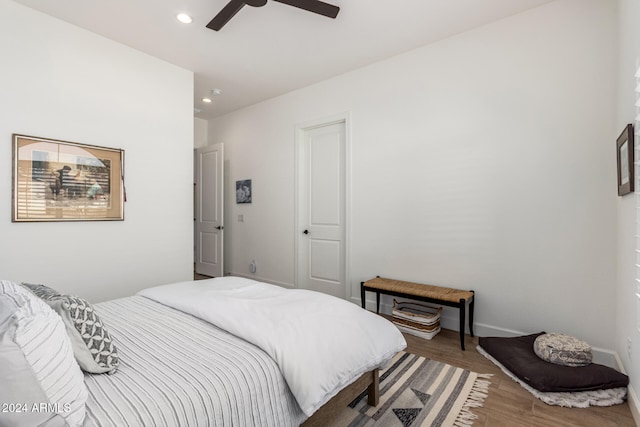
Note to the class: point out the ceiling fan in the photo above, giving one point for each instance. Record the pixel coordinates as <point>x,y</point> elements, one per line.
<point>234,6</point>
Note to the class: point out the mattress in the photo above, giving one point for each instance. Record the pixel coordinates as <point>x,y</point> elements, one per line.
<point>177,370</point>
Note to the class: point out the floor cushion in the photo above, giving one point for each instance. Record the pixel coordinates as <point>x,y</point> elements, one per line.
<point>517,355</point>
<point>563,350</point>
<point>583,386</point>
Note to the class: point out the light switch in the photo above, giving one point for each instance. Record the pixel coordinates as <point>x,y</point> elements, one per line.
<point>240,218</point>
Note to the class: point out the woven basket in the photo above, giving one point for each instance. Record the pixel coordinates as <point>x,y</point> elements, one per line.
<point>417,319</point>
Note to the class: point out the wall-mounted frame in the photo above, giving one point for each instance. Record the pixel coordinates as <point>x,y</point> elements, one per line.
<point>243,191</point>
<point>624,148</point>
<point>66,181</point>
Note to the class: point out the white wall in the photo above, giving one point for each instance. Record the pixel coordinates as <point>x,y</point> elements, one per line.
<point>59,81</point>
<point>627,303</point>
<point>483,161</point>
<point>200,132</point>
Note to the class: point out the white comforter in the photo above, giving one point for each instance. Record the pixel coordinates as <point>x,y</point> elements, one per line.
<point>321,343</point>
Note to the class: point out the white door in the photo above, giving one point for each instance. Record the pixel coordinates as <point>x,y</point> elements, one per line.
<point>322,209</point>
<point>209,210</point>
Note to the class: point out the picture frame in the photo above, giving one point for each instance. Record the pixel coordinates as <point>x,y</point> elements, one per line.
<point>625,159</point>
<point>243,191</point>
<point>57,180</point>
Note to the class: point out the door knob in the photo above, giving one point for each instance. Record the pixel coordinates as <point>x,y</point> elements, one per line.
<point>219,227</point>
<point>305,232</point>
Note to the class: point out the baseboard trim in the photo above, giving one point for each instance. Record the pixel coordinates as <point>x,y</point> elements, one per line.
<point>634,404</point>
<point>450,321</point>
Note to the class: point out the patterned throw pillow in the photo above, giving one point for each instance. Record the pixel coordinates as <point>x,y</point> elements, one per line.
<point>563,350</point>
<point>42,291</point>
<point>93,346</point>
<point>39,377</point>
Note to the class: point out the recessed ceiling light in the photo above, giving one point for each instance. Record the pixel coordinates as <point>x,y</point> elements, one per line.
<point>184,18</point>
<point>207,100</point>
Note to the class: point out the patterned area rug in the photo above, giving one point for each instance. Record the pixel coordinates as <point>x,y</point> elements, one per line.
<point>415,391</point>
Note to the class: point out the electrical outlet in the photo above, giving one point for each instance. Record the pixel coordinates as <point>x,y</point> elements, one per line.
<point>629,347</point>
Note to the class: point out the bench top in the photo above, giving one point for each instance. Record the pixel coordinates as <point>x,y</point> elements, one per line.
<point>416,289</point>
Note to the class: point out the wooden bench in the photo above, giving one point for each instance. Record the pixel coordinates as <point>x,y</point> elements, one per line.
<point>429,293</point>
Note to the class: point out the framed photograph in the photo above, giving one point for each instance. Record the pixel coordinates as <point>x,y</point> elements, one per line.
<point>66,181</point>
<point>624,146</point>
<point>243,191</point>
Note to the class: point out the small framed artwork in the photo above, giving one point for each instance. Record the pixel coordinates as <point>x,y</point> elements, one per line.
<point>243,191</point>
<point>66,181</point>
<point>624,146</point>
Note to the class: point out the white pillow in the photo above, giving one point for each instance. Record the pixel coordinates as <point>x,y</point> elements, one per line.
<point>41,380</point>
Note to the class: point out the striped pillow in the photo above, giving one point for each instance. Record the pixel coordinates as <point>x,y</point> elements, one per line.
<point>38,372</point>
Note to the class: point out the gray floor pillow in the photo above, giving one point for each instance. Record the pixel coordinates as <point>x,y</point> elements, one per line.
<point>563,350</point>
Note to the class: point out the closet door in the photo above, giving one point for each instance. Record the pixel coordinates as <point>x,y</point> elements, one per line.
<point>322,208</point>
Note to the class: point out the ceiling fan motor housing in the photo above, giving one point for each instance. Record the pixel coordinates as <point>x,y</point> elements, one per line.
<point>256,3</point>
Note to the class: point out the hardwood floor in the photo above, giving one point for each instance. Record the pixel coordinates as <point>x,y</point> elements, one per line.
<point>509,404</point>
<point>197,276</point>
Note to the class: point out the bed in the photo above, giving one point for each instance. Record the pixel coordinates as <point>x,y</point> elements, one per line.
<point>219,352</point>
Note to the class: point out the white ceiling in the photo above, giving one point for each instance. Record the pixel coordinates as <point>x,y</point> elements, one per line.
<point>267,51</point>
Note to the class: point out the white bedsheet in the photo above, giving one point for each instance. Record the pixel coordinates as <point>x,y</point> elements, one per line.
<point>321,343</point>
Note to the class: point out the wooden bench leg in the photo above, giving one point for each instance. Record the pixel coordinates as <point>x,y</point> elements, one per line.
<point>462,307</point>
<point>377,301</point>
<point>471,306</point>
<point>362,300</point>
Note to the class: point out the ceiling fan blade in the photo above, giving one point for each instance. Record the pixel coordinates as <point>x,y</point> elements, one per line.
<point>225,15</point>
<point>315,6</point>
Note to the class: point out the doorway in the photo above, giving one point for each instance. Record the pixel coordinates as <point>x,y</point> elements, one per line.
<point>209,210</point>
